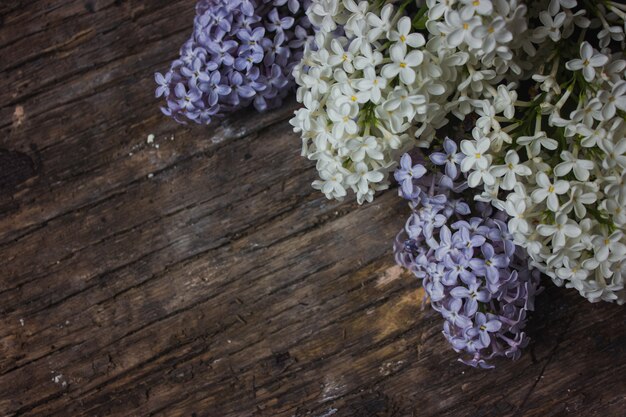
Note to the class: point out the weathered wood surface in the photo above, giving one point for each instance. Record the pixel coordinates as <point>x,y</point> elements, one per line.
<point>205,277</point>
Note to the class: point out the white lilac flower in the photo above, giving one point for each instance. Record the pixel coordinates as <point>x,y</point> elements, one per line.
<point>517,209</point>
<point>609,245</point>
<point>373,84</point>
<point>458,28</point>
<point>562,229</point>
<point>505,100</point>
<point>579,197</point>
<point>613,100</point>
<point>379,24</point>
<point>580,167</point>
<point>610,33</point>
<point>588,62</point>
<point>331,183</point>
<point>403,64</point>
<point>363,176</point>
<point>341,56</point>
<point>615,153</point>
<point>510,169</point>
<point>342,118</point>
<point>492,34</point>
<point>362,147</point>
<point>549,191</point>
<point>551,26</point>
<point>474,151</point>
<point>400,100</point>
<point>482,7</point>
<point>358,13</point>
<point>538,141</point>
<point>483,175</point>
<point>556,5</point>
<point>403,36</point>
<point>587,114</point>
<point>322,13</point>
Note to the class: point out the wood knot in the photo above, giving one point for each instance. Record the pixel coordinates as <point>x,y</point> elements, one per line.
<point>15,168</point>
<point>90,6</point>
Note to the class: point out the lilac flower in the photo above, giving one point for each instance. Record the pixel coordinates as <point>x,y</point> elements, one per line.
<point>474,225</point>
<point>188,99</point>
<point>474,275</point>
<point>407,173</point>
<point>240,90</point>
<point>246,60</point>
<point>294,5</point>
<point>214,88</point>
<point>251,39</point>
<point>445,243</point>
<point>276,51</point>
<point>453,314</point>
<point>276,23</point>
<point>276,81</point>
<point>436,290</point>
<point>241,53</point>
<point>450,158</point>
<point>458,267</point>
<point>296,44</point>
<point>221,52</point>
<point>500,234</point>
<point>464,238</point>
<point>163,82</point>
<point>483,327</point>
<point>490,264</point>
<point>460,207</point>
<point>195,72</point>
<point>473,293</point>
<point>222,19</point>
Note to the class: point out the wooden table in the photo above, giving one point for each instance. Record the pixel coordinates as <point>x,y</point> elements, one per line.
<point>200,275</point>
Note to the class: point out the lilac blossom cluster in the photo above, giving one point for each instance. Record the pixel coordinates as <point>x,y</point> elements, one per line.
<point>471,270</point>
<point>241,52</point>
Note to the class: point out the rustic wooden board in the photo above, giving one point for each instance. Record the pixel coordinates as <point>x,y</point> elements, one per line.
<point>205,277</point>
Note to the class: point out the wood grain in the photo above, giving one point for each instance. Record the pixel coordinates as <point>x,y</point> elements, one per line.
<point>205,277</point>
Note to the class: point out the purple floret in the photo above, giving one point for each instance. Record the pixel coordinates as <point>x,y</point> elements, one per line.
<point>471,270</point>
<point>241,53</point>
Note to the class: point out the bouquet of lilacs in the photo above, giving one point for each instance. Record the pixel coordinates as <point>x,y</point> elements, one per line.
<point>473,273</point>
<point>241,52</point>
<point>542,85</point>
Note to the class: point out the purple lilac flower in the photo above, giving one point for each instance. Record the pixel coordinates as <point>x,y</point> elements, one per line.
<point>450,158</point>
<point>163,82</point>
<point>241,53</point>
<point>473,273</point>
<point>407,173</point>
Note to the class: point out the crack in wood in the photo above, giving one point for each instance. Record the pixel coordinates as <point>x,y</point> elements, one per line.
<point>560,338</point>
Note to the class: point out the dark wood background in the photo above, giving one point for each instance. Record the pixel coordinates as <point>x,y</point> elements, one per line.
<point>204,276</point>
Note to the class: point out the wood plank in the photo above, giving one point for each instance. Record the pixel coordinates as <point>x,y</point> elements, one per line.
<point>205,277</point>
